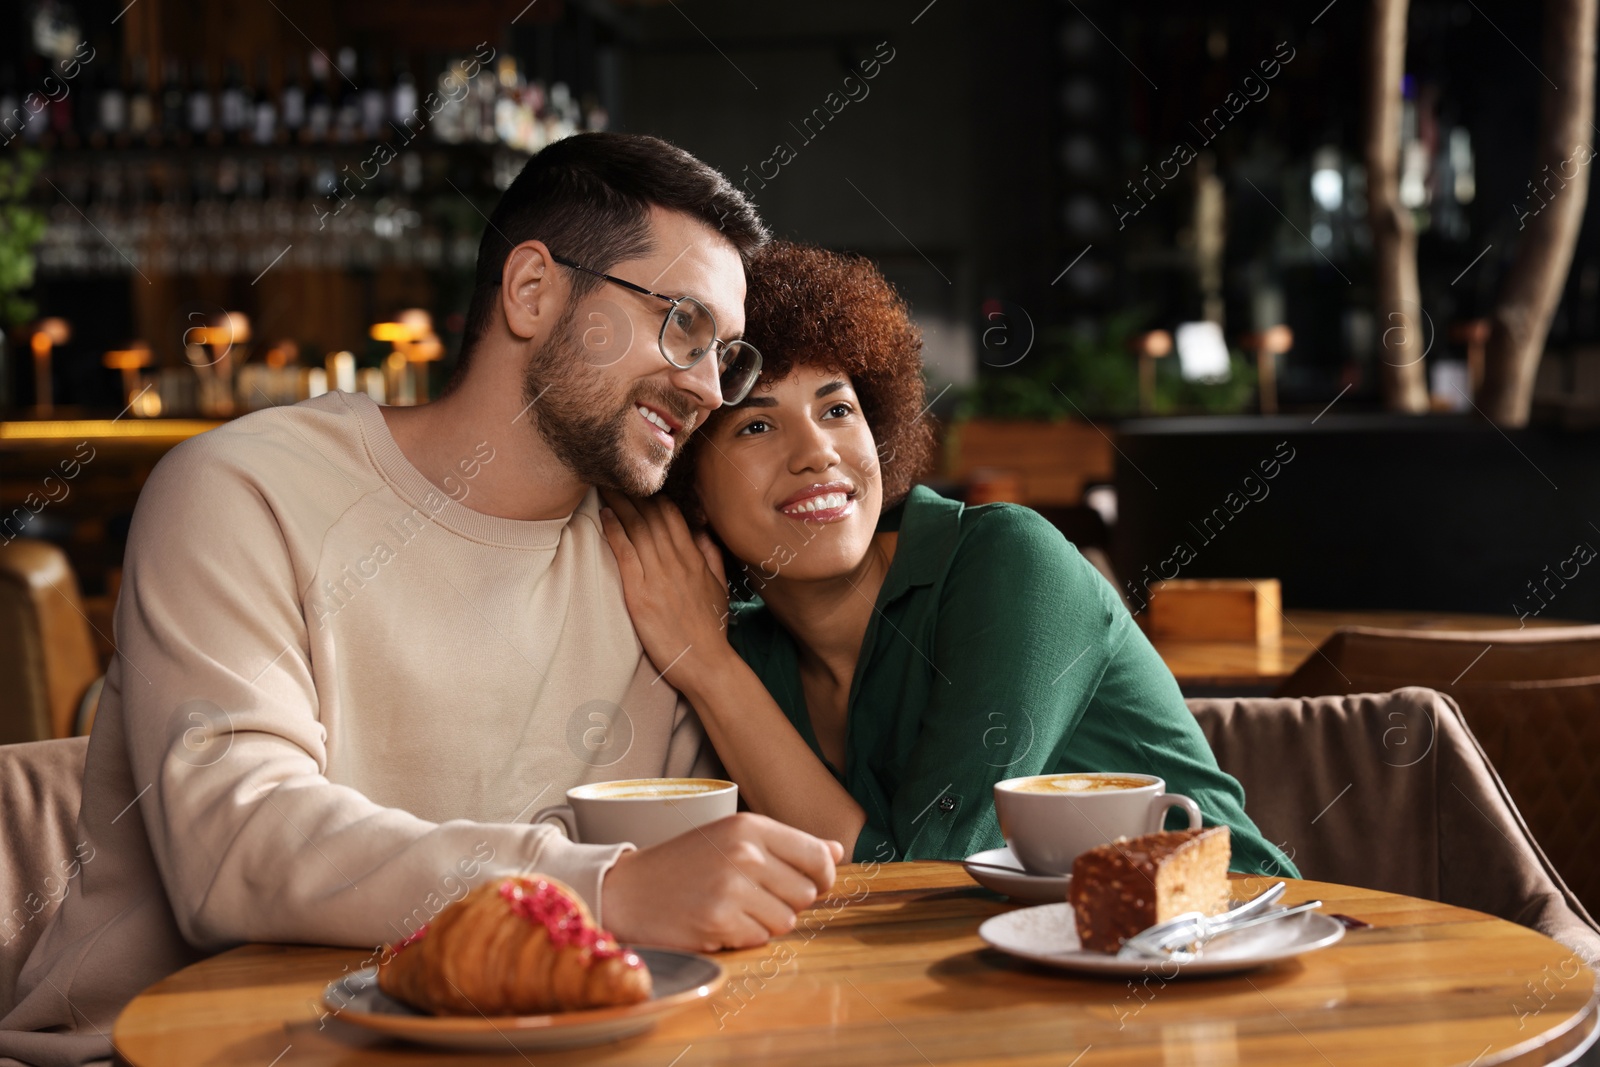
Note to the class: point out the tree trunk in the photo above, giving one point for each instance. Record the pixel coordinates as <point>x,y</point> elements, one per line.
<point>1397,295</point>
<point>1551,217</point>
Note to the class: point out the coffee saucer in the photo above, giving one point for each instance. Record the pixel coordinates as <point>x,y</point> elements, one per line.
<point>1022,886</point>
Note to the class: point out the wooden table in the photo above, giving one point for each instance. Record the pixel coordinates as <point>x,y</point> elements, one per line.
<point>890,970</point>
<point>1246,666</point>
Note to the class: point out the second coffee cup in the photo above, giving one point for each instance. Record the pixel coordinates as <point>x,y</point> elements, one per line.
<point>641,811</point>
<point>1050,819</point>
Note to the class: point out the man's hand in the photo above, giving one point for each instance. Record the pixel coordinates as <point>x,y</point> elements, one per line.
<point>732,884</point>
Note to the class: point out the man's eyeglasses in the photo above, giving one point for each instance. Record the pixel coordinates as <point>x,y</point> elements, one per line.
<point>688,332</point>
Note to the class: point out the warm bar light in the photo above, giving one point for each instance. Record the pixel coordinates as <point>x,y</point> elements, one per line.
<point>77,429</point>
<point>1268,345</point>
<point>1149,347</point>
<point>130,361</point>
<point>393,332</point>
<point>49,333</point>
<point>415,344</point>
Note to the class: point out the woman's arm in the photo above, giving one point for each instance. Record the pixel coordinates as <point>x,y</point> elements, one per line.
<point>778,774</point>
<point>678,599</point>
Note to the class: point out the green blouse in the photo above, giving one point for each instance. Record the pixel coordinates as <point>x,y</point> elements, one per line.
<point>995,650</point>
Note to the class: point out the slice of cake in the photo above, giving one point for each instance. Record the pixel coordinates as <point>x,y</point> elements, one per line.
<point>1129,885</point>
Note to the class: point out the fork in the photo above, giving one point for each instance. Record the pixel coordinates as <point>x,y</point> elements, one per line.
<point>1180,939</point>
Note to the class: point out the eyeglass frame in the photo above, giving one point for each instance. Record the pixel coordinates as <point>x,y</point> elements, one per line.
<point>661,338</point>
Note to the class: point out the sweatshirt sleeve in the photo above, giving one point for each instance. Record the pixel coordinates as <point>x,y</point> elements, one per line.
<point>252,840</point>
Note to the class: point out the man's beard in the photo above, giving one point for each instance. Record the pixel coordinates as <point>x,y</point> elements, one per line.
<point>578,415</point>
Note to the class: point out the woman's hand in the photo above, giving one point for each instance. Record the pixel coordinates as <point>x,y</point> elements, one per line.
<point>673,584</point>
<point>672,581</point>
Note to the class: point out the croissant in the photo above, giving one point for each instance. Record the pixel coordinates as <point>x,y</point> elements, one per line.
<point>518,946</point>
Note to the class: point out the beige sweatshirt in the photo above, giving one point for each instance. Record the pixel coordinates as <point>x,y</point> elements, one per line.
<point>340,693</point>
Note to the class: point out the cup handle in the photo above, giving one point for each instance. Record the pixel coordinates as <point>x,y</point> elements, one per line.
<point>1164,802</point>
<point>562,813</point>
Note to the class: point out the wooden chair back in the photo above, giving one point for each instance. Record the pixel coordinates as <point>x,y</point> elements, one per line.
<point>1391,791</point>
<point>45,643</point>
<point>1532,699</point>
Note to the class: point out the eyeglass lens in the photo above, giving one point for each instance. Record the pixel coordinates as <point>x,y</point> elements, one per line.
<point>689,330</point>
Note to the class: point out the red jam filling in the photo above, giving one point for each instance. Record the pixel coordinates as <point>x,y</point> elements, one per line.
<point>558,913</point>
<point>413,939</point>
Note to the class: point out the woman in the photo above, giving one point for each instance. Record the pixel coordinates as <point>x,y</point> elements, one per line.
<point>900,653</point>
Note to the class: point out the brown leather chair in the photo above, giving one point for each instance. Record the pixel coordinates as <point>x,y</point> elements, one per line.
<point>1532,698</point>
<point>1391,791</point>
<point>45,643</point>
<point>41,785</point>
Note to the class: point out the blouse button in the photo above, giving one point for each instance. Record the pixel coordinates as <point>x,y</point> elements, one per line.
<point>947,804</point>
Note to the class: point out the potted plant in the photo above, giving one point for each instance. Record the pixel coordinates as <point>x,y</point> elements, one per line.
<point>20,230</point>
<point>1037,418</point>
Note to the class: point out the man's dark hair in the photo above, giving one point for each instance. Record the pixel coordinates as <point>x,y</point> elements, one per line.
<point>588,197</point>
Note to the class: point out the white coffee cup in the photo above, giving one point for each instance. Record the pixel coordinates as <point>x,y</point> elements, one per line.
<point>641,811</point>
<point>1051,819</point>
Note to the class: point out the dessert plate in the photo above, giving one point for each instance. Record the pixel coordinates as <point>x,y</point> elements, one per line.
<point>1048,934</point>
<point>677,978</point>
<point>1021,886</point>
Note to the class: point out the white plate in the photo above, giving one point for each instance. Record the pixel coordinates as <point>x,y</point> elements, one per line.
<point>1048,934</point>
<point>676,978</point>
<point>1022,886</point>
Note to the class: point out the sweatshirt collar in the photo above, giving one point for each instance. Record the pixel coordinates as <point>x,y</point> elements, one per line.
<point>413,487</point>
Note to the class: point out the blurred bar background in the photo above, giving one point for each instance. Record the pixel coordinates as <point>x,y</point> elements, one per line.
<point>1098,211</point>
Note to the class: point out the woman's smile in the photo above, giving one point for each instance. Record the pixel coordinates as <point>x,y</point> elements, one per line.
<point>822,502</point>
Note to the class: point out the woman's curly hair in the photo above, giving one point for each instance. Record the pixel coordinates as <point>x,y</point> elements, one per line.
<point>809,306</point>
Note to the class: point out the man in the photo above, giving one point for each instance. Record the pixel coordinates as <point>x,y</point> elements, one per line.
<point>358,646</point>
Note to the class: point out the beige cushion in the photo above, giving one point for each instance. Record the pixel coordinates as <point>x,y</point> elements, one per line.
<point>1391,791</point>
<point>41,784</point>
<point>1532,698</point>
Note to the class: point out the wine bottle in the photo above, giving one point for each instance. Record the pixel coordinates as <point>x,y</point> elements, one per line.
<point>565,109</point>
<point>263,113</point>
<point>319,105</point>
<point>142,123</point>
<point>36,125</point>
<point>12,117</point>
<point>234,104</point>
<point>111,110</point>
<point>403,100</point>
<point>200,107</point>
<point>347,112</point>
<point>486,90</point>
<point>63,111</point>
<point>374,102</point>
<point>292,101</point>
<point>507,103</point>
<point>537,101</point>
<point>449,122</point>
<point>174,129</point>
